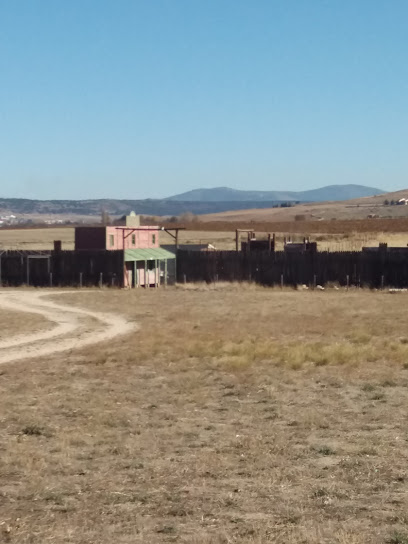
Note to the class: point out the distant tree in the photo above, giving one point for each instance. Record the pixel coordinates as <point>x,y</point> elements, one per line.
<point>105,219</point>
<point>386,202</point>
<point>188,217</point>
<point>148,220</point>
<point>392,203</point>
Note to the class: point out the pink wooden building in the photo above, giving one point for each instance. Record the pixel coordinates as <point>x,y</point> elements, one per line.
<point>144,261</point>
<point>116,238</point>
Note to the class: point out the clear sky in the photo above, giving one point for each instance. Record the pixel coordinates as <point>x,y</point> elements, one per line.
<point>148,98</point>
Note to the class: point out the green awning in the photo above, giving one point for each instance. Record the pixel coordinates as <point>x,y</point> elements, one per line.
<point>149,254</point>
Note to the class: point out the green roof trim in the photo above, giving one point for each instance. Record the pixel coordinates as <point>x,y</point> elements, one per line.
<point>148,254</point>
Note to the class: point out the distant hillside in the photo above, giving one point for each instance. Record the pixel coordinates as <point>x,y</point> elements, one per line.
<point>331,192</point>
<point>380,206</point>
<point>121,207</point>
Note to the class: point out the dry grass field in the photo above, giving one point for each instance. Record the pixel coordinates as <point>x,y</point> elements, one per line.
<point>234,415</point>
<point>36,239</point>
<point>332,236</point>
<point>11,321</point>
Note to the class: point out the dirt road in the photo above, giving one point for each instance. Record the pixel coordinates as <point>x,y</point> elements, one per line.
<point>73,327</point>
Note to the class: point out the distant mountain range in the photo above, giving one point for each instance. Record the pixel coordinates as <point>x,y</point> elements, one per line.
<point>223,194</point>
<point>198,201</point>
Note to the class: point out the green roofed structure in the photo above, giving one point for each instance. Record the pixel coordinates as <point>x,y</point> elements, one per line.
<point>148,266</point>
<point>148,254</point>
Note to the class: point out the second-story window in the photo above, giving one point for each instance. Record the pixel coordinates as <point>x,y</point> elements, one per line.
<point>153,239</point>
<point>133,239</point>
<point>111,240</point>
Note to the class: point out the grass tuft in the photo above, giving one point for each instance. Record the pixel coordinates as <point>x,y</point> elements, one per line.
<point>398,538</point>
<point>325,450</point>
<point>34,430</point>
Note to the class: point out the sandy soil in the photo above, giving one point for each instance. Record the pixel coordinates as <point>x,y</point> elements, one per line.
<point>73,328</point>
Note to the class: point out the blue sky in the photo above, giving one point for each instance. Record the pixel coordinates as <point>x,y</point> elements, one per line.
<point>148,98</point>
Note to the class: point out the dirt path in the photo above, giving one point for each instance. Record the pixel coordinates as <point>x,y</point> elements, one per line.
<point>74,328</point>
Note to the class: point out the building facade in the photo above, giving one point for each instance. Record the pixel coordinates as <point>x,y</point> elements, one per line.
<point>145,263</point>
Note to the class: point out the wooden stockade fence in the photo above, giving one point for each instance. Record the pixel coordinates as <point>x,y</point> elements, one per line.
<point>61,268</point>
<point>371,269</point>
<point>105,268</point>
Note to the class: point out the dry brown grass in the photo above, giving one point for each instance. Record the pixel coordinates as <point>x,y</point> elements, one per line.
<point>14,323</point>
<point>36,239</point>
<point>232,416</point>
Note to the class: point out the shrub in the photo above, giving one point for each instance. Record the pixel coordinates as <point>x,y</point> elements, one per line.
<point>398,538</point>
<point>33,430</point>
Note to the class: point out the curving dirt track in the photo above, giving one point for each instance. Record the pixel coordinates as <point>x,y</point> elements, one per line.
<point>74,327</point>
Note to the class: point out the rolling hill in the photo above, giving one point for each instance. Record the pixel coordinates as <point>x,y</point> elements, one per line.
<point>357,208</point>
<point>330,192</point>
